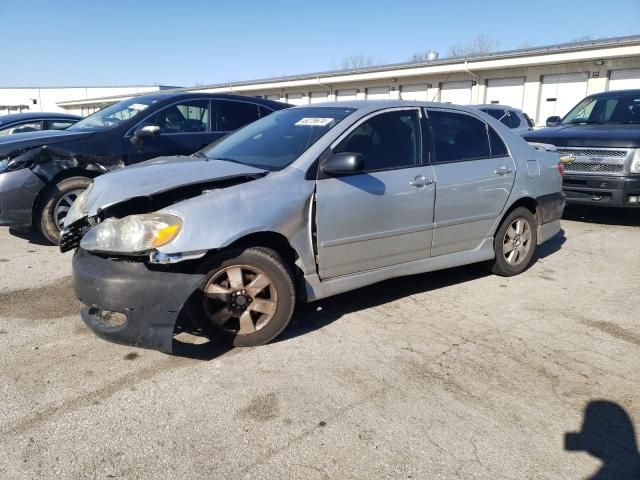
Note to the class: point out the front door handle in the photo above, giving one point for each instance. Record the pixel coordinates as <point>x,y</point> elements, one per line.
<point>421,181</point>
<point>502,170</point>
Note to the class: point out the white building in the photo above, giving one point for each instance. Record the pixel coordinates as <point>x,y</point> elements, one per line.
<point>48,99</point>
<point>542,81</point>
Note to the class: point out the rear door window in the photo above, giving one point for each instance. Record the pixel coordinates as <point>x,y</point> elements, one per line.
<point>458,136</point>
<point>231,115</point>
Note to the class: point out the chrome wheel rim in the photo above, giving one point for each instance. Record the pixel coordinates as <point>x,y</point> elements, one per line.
<point>517,241</point>
<point>240,299</point>
<point>63,205</point>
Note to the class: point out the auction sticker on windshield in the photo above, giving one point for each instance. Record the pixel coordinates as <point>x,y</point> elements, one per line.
<point>314,122</point>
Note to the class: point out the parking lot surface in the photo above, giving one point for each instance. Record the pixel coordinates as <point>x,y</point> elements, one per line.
<point>453,374</point>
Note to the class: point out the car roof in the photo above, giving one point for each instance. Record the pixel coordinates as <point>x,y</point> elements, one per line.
<point>373,105</point>
<point>19,117</point>
<point>168,97</point>
<point>497,106</point>
<point>617,93</point>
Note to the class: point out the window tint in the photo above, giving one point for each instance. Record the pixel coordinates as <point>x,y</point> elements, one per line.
<point>20,128</point>
<point>515,119</point>
<point>185,117</point>
<point>234,115</point>
<point>507,117</point>
<point>457,136</point>
<point>530,122</point>
<point>498,148</point>
<point>388,140</point>
<point>264,111</point>
<point>60,124</point>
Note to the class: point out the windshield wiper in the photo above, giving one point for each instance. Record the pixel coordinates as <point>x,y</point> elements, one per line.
<point>226,159</point>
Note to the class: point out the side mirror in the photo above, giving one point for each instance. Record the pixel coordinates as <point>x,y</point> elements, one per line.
<point>343,164</point>
<point>553,121</point>
<point>145,131</point>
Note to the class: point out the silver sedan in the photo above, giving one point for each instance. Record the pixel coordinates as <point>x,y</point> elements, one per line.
<point>304,204</point>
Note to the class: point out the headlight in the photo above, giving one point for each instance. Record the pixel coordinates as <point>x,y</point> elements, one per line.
<point>635,163</point>
<point>75,213</point>
<point>135,234</point>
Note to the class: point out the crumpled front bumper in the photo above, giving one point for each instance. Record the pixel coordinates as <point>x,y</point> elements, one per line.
<point>151,299</point>
<point>18,193</point>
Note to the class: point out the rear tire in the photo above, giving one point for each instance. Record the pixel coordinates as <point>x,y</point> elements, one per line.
<point>246,299</point>
<point>515,243</point>
<point>55,204</point>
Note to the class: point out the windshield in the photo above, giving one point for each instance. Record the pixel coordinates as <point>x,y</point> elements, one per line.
<point>274,142</point>
<point>613,109</point>
<point>115,114</point>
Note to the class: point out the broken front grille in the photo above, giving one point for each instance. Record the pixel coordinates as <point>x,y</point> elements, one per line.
<point>592,167</point>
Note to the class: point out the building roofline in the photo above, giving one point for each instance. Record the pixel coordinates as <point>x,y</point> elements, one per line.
<point>547,49</point>
<point>54,87</point>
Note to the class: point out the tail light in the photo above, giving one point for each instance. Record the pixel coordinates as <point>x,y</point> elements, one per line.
<point>561,168</point>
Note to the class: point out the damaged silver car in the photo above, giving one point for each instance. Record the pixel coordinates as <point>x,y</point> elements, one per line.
<point>304,204</point>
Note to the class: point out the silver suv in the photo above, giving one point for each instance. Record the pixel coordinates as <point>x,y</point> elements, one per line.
<point>304,204</point>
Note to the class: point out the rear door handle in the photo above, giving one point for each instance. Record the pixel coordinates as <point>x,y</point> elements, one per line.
<point>502,170</point>
<point>421,181</point>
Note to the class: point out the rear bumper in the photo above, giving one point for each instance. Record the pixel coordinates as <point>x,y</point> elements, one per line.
<point>151,300</point>
<point>18,193</point>
<point>601,190</point>
<point>550,209</point>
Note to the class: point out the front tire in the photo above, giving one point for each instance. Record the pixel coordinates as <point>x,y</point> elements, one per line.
<point>55,204</point>
<point>515,243</point>
<point>247,298</point>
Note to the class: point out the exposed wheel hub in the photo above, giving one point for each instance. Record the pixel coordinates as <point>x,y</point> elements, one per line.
<point>240,300</point>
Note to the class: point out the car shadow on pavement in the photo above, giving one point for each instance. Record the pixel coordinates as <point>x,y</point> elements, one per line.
<point>316,315</point>
<point>30,235</point>
<point>624,217</point>
<point>607,434</point>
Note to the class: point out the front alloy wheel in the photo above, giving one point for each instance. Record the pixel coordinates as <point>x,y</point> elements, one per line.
<point>247,298</point>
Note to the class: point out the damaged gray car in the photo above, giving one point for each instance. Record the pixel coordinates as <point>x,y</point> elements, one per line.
<point>304,204</point>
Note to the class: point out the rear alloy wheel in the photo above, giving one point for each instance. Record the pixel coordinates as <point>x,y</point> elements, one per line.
<point>247,298</point>
<point>55,204</point>
<point>515,243</point>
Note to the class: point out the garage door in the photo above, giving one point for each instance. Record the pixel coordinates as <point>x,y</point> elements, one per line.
<point>456,92</point>
<point>560,93</point>
<point>506,91</point>
<point>344,95</point>
<point>378,93</point>
<point>318,97</point>
<point>624,79</point>
<point>414,92</point>
<point>273,97</point>
<point>295,98</point>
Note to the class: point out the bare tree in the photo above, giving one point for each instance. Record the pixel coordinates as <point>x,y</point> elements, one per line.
<point>419,57</point>
<point>481,45</point>
<point>584,38</point>
<point>353,62</point>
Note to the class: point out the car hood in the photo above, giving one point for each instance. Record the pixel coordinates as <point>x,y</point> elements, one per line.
<point>619,136</point>
<point>158,176</point>
<point>27,140</point>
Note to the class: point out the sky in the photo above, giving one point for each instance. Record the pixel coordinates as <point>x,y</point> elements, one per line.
<point>117,42</point>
